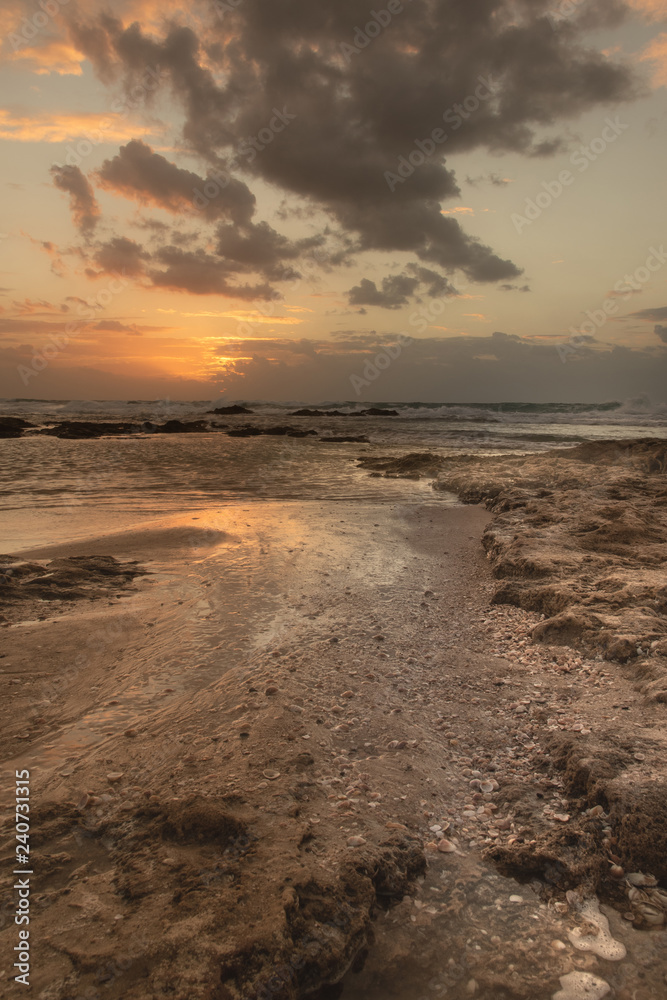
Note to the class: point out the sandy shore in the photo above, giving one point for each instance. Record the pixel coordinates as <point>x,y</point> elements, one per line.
<point>270,744</point>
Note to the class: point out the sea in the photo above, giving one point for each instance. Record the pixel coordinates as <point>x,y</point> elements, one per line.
<point>56,489</point>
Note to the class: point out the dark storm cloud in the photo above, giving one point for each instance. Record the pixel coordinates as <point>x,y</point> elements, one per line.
<point>661,331</point>
<point>121,255</point>
<point>149,178</point>
<point>349,114</point>
<point>201,274</point>
<point>82,202</point>
<point>398,289</point>
<point>259,247</point>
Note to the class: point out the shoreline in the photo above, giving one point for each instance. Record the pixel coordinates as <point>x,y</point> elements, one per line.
<point>291,800</point>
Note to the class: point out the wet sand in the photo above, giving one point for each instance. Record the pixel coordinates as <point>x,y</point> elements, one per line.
<point>307,737</point>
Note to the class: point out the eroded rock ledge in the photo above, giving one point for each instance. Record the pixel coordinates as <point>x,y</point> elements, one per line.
<point>580,537</point>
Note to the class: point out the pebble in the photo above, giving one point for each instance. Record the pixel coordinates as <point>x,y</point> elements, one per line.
<point>355,841</point>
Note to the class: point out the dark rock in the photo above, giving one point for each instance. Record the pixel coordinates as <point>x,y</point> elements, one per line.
<point>244,432</point>
<point>230,410</point>
<point>375,411</point>
<point>318,413</point>
<point>77,429</point>
<point>13,427</point>
<point>288,432</point>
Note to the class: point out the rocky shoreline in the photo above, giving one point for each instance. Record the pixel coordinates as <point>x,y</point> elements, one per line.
<point>408,782</point>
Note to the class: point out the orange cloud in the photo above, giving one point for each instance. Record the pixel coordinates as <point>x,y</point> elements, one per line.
<point>656,10</point>
<point>42,126</point>
<point>656,52</point>
<point>52,56</point>
<point>461,210</point>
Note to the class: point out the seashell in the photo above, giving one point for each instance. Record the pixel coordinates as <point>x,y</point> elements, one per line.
<point>654,916</point>
<point>83,801</point>
<point>355,841</point>
<point>114,776</point>
<point>639,879</point>
<point>487,786</point>
<point>446,847</point>
<point>616,871</point>
<point>271,775</point>
<point>658,897</point>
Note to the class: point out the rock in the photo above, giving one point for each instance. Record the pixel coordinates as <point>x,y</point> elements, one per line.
<point>375,411</point>
<point>13,427</point>
<point>231,410</point>
<point>305,412</point>
<point>244,432</point>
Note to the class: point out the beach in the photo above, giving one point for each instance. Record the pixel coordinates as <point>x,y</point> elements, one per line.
<point>389,724</point>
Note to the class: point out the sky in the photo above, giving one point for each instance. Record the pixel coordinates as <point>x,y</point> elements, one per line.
<point>435,200</point>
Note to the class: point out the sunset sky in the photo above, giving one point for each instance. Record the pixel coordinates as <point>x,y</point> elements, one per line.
<point>485,177</point>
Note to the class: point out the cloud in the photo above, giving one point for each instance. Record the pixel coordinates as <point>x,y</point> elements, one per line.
<point>353,116</point>
<point>398,289</point>
<point>656,53</point>
<point>149,178</point>
<point>495,179</point>
<point>655,315</point>
<point>514,288</point>
<point>51,55</point>
<point>201,273</point>
<point>661,331</point>
<point>114,326</point>
<point>60,126</point>
<point>82,202</point>
<point>653,10</point>
<point>438,369</point>
<point>395,292</point>
<point>120,255</point>
<point>38,307</point>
